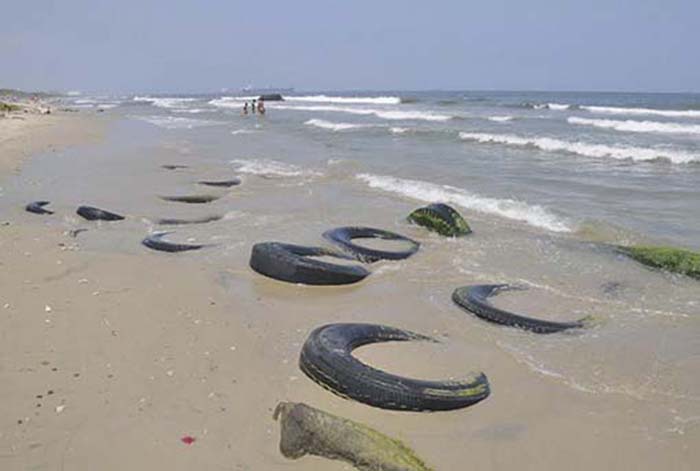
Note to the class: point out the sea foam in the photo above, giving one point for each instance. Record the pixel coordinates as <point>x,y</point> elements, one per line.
<point>638,126</point>
<point>320,123</point>
<point>165,102</point>
<point>430,192</point>
<point>582,148</point>
<point>643,111</point>
<point>272,167</point>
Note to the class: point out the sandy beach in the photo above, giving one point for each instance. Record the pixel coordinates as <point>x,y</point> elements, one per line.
<point>111,354</point>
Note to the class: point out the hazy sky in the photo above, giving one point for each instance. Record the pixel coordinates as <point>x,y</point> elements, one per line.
<point>206,45</point>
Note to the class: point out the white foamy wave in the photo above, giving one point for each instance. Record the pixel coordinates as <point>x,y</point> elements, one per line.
<point>638,126</point>
<point>165,102</point>
<point>557,106</point>
<point>236,132</point>
<point>397,130</point>
<point>643,111</point>
<point>175,122</point>
<point>272,167</point>
<point>582,148</point>
<point>378,100</point>
<point>430,192</point>
<point>501,119</point>
<point>231,101</point>
<point>383,114</point>
<point>320,123</point>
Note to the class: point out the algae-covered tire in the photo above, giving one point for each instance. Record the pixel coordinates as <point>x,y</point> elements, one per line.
<point>97,214</point>
<point>37,207</point>
<point>343,236</point>
<point>326,358</point>
<point>475,300</point>
<point>674,260</point>
<point>441,218</point>
<point>293,263</point>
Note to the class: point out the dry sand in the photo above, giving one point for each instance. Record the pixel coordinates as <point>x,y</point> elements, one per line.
<point>108,360</point>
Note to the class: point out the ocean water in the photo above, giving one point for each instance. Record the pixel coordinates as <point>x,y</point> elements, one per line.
<point>546,180</point>
<point>564,162</point>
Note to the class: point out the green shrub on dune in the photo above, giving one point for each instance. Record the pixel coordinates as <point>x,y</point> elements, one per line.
<point>671,259</point>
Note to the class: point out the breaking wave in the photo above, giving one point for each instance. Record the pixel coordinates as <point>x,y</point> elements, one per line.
<point>166,102</point>
<point>500,119</point>
<point>378,100</point>
<point>430,192</point>
<point>638,126</point>
<point>582,148</point>
<point>643,111</point>
<point>320,123</point>
<point>383,114</point>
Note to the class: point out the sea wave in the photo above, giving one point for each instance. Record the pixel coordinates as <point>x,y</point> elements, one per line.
<point>398,130</point>
<point>548,106</point>
<point>165,102</point>
<point>582,148</point>
<point>231,101</point>
<point>383,114</point>
<point>533,215</point>
<point>377,100</point>
<point>320,123</point>
<point>500,119</point>
<point>176,122</point>
<point>638,126</point>
<point>272,167</point>
<point>643,111</point>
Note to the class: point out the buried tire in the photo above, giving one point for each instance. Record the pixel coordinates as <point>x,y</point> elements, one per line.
<point>293,263</point>
<point>343,237</point>
<point>326,358</point>
<point>475,300</point>
<point>441,218</point>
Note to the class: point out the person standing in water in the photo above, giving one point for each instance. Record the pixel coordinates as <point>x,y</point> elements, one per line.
<point>252,107</point>
<point>245,109</point>
<point>261,106</point>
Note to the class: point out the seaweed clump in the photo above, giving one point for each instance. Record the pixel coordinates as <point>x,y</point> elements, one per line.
<point>441,218</point>
<point>306,430</point>
<point>685,262</point>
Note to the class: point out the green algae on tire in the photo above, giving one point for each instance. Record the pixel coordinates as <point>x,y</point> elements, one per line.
<point>674,260</point>
<point>306,430</point>
<point>441,218</point>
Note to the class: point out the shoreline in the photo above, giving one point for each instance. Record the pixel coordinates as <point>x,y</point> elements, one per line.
<point>112,354</point>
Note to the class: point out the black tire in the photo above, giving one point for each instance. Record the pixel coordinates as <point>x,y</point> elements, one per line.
<point>343,236</point>
<point>191,199</point>
<point>326,358</point>
<point>292,263</point>
<point>96,214</point>
<point>178,222</point>
<point>37,207</point>
<point>475,300</point>
<point>156,242</point>
<point>221,183</point>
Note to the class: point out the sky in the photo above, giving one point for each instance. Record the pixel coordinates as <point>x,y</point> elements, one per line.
<point>209,45</point>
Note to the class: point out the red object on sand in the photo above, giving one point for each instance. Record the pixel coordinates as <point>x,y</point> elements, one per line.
<point>188,440</point>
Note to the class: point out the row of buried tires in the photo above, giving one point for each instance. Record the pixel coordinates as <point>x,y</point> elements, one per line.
<point>155,240</point>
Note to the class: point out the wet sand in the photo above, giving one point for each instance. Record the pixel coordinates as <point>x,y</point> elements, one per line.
<point>112,353</point>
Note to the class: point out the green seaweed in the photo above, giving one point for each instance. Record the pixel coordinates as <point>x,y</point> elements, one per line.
<point>306,430</point>
<point>452,226</point>
<point>7,107</point>
<point>685,262</point>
